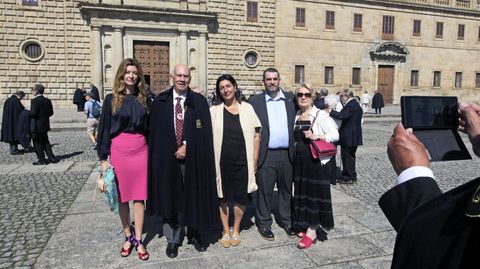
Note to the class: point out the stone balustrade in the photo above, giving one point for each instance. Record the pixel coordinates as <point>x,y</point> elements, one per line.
<point>462,4</point>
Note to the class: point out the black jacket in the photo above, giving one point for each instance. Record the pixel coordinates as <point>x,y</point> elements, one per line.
<point>11,111</point>
<point>195,197</point>
<point>260,106</point>
<point>41,110</point>
<point>433,230</point>
<point>351,129</point>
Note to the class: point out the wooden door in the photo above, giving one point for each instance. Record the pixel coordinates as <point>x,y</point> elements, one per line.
<point>154,59</point>
<point>385,82</point>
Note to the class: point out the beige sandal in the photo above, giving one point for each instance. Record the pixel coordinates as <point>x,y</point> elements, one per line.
<point>235,239</point>
<point>225,240</point>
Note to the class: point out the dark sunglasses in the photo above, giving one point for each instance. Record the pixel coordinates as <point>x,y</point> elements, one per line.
<point>307,95</point>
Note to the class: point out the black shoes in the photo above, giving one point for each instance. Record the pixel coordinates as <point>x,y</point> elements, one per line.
<point>172,250</point>
<point>197,244</point>
<point>266,233</point>
<point>44,162</point>
<point>347,180</point>
<point>290,232</point>
<point>53,160</point>
<point>16,152</point>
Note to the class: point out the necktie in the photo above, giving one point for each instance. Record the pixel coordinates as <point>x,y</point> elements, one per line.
<point>178,121</point>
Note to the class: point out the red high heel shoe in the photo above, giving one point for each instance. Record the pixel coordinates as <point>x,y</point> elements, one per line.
<point>306,242</point>
<point>142,256</point>
<point>126,252</point>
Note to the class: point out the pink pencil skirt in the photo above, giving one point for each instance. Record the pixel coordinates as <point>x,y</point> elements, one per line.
<point>129,155</point>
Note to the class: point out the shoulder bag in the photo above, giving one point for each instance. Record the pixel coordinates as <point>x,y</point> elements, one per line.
<point>320,148</point>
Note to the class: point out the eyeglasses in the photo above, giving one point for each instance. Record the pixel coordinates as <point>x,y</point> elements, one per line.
<point>307,95</point>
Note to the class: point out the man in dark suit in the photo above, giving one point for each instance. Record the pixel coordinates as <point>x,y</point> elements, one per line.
<point>435,230</point>
<point>350,134</point>
<point>276,110</point>
<point>320,101</point>
<point>41,110</point>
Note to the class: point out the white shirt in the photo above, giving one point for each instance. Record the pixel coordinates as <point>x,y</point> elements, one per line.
<point>413,172</point>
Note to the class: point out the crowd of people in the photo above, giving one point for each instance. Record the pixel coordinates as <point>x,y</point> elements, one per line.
<point>195,162</point>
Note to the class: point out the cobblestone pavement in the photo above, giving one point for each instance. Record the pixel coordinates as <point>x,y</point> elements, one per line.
<point>35,199</point>
<point>34,202</point>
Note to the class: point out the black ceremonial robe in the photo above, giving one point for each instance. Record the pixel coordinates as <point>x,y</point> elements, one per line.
<point>11,111</point>
<point>195,197</point>
<point>433,229</point>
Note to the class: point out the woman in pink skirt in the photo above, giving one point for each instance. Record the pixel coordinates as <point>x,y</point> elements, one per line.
<point>121,136</point>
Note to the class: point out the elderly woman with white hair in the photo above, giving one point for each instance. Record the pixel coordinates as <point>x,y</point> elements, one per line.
<point>311,204</point>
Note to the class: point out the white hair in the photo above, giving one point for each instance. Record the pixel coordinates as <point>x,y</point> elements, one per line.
<point>331,100</point>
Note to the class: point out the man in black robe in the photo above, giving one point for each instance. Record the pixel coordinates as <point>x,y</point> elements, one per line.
<point>435,230</point>
<point>79,99</point>
<point>182,185</point>
<point>11,111</point>
<point>95,92</point>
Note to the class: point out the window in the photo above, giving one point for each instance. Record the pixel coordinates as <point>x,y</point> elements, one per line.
<point>328,75</point>
<point>417,27</point>
<point>439,30</point>
<point>458,79</point>
<point>32,50</point>
<point>437,77</point>
<point>30,2</point>
<point>477,80</point>
<point>357,22</point>
<point>299,74</point>
<point>300,17</point>
<point>330,20</point>
<point>479,34</point>
<point>356,72</point>
<point>252,11</point>
<point>461,32</point>
<point>388,27</point>
<point>251,58</point>
<point>414,78</point>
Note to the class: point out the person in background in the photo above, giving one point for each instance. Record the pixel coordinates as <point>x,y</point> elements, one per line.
<point>79,99</point>
<point>365,101</point>
<point>94,91</point>
<point>41,110</point>
<point>377,102</point>
<point>92,110</point>
<point>320,102</point>
<point>312,202</point>
<point>11,113</point>
<point>236,141</point>
<point>434,230</point>
<point>350,135</point>
<point>121,137</point>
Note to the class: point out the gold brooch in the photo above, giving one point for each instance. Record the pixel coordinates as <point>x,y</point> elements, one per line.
<point>198,123</point>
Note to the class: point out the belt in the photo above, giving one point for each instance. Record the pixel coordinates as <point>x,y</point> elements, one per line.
<point>278,149</point>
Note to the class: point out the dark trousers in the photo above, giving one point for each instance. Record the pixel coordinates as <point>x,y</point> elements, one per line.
<point>348,162</point>
<point>277,168</point>
<point>173,231</point>
<point>13,147</point>
<point>42,146</point>
<point>378,110</point>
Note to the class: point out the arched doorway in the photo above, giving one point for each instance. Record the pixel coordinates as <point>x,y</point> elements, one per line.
<point>387,55</point>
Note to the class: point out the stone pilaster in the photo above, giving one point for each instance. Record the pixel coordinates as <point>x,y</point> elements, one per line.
<point>97,63</point>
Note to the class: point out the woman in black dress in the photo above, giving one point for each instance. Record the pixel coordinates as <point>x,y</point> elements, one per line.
<point>311,204</point>
<point>236,139</point>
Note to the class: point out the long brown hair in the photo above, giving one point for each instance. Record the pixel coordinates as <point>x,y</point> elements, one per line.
<point>118,90</point>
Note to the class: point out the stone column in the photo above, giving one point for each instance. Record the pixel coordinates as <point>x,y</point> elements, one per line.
<point>182,48</point>
<point>117,47</point>
<point>96,72</point>
<point>202,62</point>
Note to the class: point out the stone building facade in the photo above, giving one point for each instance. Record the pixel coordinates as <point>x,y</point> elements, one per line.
<point>393,46</point>
<point>409,47</point>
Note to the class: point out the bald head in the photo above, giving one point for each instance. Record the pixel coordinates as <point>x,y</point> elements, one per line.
<point>181,78</point>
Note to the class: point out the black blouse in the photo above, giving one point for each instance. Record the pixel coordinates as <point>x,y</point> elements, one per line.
<point>130,118</point>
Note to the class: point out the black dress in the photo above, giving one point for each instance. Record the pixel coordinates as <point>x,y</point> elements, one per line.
<point>312,201</point>
<point>233,161</point>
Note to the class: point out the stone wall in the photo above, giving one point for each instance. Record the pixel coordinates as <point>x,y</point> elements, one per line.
<point>236,36</point>
<point>58,26</point>
<point>342,48</point>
